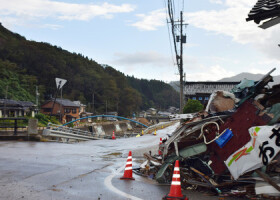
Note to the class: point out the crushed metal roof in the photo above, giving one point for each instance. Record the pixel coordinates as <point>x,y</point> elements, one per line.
<point>264,9</point>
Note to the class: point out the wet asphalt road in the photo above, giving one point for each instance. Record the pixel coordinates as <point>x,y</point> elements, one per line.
<point>86,170</point>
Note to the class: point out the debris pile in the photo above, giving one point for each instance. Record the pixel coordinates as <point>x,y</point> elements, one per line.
<point>229,149</point>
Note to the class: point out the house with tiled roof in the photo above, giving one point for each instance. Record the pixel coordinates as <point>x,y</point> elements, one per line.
<point>64,109</point>
<point>201,90</point>
<point>13,108</point>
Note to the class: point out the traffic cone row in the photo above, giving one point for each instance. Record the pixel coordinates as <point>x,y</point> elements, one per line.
<point>128,168</point>
<point>175,189</point>
<point>175,192</point>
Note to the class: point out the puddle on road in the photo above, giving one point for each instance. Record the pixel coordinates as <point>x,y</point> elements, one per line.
<point>56,190</point>
<point>4,144</point>
<point>140,161</point>
<point>113,155</point>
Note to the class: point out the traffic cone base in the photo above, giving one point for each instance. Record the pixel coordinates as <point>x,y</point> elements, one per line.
<point>174,198</point>
<point>127,178</point>
<point>128,168</point>
<point>175,189</point>
<point>113,136</point>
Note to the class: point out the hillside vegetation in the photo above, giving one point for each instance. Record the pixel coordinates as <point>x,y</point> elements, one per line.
<point>25,64</point>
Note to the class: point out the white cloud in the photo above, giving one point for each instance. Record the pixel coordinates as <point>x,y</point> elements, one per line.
<point>264,66</point>
<point>216,1</point>
<point>256,71</point>
<point>148,65</point>
<point>142,58</point>
<point>151,21</point>
<point>32,9</point>
<point>231,22</point>
<point>213,73</point>
<point>51,26</point>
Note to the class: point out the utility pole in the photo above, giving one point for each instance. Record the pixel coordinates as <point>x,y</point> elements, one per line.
<point>93,103</point>
<point>106,106</point>
<point>60,106</point>
<point>181,64</point>
<point>178,38</point>
<point>5,102</point>
<point>37,99</point>
<point>59,84</point>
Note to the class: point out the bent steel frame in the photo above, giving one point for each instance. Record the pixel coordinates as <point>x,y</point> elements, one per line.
<point>105,116</point>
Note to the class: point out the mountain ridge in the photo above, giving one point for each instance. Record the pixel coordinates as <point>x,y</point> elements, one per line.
<point>26,64</point>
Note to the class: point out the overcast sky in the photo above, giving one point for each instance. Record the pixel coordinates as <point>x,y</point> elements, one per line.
<point>132,36</point>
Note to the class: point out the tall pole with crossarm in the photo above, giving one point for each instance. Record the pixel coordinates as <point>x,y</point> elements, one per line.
<point>178,37</point>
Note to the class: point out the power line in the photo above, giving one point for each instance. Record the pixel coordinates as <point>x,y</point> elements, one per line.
<point>169,35</point>
<point>178,26</point>
<point>171,15</point>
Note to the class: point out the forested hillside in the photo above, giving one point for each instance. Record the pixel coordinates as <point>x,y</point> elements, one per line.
<point>25,64</point>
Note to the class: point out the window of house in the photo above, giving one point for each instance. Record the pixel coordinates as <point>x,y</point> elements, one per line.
<point>47,109</point>
<point>206,98</point>
<point>194,98</point>
<point>67,110</point>
<point>74,110</point>
<point>200,98</point>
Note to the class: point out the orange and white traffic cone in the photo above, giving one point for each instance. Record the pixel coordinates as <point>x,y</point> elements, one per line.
<point>128,168</point>
<point>159,151</point>
<point>175,189</point>
<point>113,136</point>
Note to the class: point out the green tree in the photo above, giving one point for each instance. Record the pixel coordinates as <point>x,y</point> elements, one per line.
<point>192,106</point>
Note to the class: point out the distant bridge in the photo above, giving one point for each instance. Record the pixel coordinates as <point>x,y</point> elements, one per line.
<point>105,116</point>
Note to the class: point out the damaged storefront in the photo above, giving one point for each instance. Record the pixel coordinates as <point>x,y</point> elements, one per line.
<point>229,149</point>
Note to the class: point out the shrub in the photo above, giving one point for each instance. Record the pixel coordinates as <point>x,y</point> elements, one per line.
<point>192,106</point>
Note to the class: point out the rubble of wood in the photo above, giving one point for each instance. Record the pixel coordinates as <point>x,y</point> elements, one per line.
<point>230,149</point>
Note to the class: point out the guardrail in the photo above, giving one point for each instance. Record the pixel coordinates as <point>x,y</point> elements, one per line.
<point>54,130</point>
<point>157,126</point>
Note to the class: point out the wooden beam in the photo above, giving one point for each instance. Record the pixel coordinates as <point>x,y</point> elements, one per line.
<point>267,179</point>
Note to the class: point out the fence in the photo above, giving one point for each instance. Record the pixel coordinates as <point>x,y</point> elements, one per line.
<point>12,123</point>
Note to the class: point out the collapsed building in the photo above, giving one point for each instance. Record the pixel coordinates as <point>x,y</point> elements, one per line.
<point>231,148</point>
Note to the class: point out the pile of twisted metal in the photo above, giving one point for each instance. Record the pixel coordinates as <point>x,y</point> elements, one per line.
<point>229,149</point>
